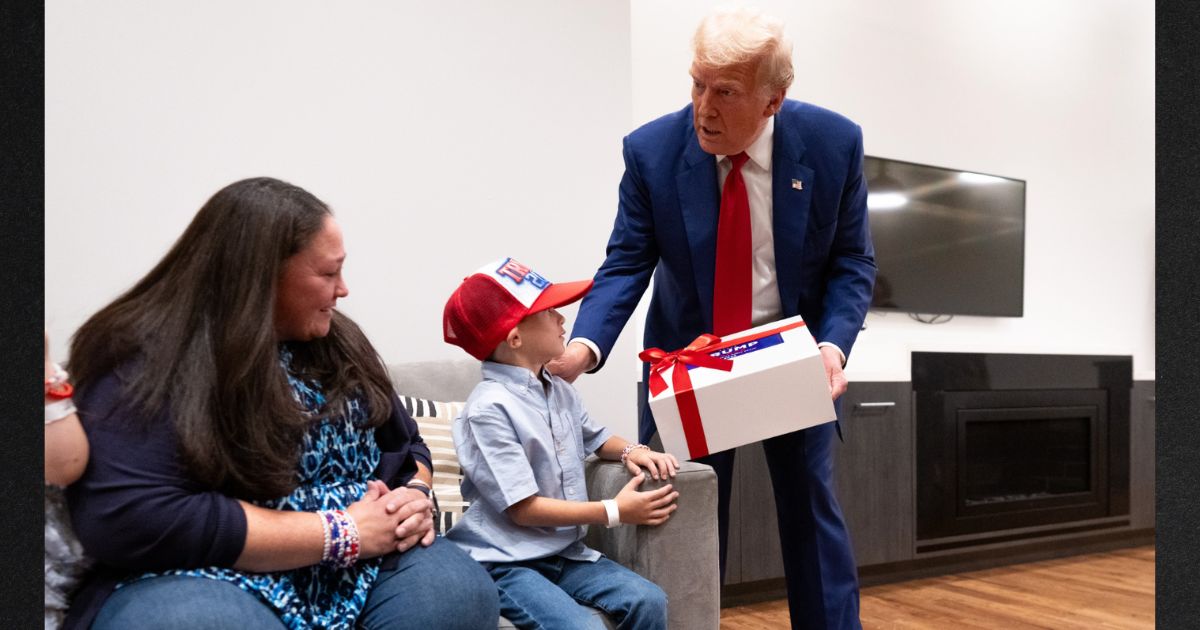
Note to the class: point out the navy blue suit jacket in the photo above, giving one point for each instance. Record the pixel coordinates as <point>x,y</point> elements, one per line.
<point>667,225</point>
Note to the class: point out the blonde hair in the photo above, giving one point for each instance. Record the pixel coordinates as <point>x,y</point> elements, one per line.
<point>732,35</point>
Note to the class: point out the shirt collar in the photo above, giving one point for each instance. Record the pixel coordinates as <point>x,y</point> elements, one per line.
<point>759,151</point>
<point>510,374</point>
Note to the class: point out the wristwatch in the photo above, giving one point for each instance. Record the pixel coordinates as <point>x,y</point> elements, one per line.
<point>417,484</point>
<point>435,511</point>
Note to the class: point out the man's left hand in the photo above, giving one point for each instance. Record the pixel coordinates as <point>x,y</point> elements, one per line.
<point>833,371</point>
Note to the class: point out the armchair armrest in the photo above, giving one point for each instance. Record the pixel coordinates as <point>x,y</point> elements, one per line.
<point>680,556</point>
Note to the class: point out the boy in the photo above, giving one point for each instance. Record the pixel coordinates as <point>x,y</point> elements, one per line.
<point>521,439</point>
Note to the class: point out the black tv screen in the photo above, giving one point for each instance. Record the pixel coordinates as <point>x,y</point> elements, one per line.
<point>946,241</point>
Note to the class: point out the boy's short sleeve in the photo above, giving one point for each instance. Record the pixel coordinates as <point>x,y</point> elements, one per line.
<point>493,459</point>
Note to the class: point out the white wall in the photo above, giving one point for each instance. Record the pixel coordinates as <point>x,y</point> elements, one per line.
<point>1060,94</point>
<point>418,123</point>
<point>444,135</point>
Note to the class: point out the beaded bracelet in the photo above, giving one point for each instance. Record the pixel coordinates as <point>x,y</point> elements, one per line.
<point>327,542</point>
<point>629,448</point>
<point>341,544</point>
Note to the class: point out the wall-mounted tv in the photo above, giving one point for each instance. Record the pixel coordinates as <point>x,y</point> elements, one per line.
<point>946,241</point>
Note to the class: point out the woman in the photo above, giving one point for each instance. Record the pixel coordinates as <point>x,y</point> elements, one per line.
<point>66,456</point>
<point>251,465</point>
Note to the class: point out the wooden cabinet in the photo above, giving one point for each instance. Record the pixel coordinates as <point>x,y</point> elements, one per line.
<point>1141,456</point>
<point>873,470</point>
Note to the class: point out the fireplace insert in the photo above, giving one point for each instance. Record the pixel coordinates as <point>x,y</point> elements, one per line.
<point>1017,446</point>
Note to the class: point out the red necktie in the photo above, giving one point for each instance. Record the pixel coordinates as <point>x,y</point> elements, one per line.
<point>732,282</point>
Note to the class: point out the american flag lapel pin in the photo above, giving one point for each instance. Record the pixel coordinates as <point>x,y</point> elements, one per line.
<point>797,184</point>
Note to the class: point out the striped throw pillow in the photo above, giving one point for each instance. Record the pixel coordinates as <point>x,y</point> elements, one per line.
<point>434,419</point>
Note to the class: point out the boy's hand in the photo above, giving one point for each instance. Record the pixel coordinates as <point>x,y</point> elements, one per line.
<point>653,507</point>
<point>660,465</point>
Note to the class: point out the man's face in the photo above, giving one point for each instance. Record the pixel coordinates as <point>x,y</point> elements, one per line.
<point>729,108</point>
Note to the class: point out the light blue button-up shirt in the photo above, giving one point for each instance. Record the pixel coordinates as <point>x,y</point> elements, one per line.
<point>517,437</point>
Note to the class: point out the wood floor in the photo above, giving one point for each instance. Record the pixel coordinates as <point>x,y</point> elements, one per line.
<point>1105,590</point>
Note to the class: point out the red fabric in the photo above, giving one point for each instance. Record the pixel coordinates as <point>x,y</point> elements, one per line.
<point>732,290</point>
<point>479,315</point>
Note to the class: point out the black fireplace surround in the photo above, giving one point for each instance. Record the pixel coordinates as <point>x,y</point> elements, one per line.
<point>1013,446</point>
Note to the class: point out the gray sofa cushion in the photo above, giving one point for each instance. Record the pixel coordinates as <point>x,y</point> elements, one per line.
<point>680,556</point>
<point>436,380</point>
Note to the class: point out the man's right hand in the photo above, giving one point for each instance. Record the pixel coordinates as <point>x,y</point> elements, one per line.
<point>575,360</point>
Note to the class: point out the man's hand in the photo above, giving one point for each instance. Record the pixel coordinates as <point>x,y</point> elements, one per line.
<point>833,371</point>
<point>575,360</point>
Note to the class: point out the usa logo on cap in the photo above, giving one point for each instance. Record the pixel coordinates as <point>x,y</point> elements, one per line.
<point>524,283</point>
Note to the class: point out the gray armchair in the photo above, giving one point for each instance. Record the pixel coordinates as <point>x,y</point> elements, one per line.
<point>680,556</point>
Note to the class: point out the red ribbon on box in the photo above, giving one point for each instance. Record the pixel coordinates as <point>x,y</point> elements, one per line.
<point>697,353</point>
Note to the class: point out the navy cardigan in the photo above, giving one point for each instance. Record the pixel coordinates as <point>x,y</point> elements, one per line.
<point>136,509</point>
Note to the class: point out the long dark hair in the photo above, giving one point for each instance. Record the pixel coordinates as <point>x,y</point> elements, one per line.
<point>200,329</point>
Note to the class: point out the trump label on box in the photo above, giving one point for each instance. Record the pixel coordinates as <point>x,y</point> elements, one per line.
<point>722,392</point>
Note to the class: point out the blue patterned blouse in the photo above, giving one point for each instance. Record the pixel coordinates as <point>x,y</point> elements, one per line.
<point>337,459</point>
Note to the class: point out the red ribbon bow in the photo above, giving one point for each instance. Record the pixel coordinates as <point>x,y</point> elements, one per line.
<point>696,353</point>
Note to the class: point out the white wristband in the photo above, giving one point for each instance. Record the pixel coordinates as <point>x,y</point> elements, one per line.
<point>610,508</point>
<point>56,411</point>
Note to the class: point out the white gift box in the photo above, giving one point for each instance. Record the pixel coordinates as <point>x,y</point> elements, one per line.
<point>776,385</point>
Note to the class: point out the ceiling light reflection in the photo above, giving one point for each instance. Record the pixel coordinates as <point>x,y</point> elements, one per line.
<point>979,178</point>
<point>886,201</point>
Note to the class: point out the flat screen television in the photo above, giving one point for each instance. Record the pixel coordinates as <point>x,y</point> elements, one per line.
<point>947,242</point>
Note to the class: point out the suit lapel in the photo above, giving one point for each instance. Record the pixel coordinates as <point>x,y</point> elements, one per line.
<point>790,206</point>
<point>700,205</point>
